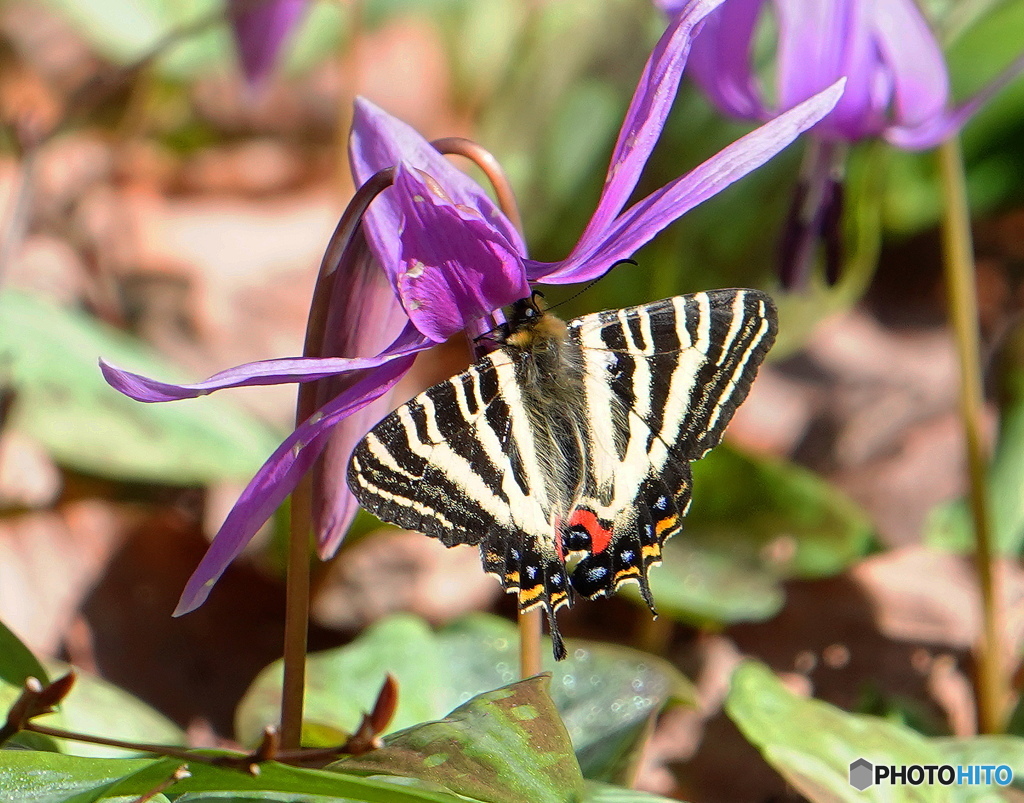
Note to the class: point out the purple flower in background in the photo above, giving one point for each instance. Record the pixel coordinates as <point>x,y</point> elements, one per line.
<point>260,28</point>
<point>897,89</point>
<point>439,257</point>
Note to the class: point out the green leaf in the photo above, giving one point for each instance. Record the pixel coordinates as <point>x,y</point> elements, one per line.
<point>597,792</point>
<point>606,694</point>
<point>96,706</point>
<point>17,661</point>
<point>29,777</point>
<point>754,523</point>
<point>50,355</point>
<point>812,744</point>
<point>505,746</point>
<point>126,31</point>
<point>991,750</point>
<point>342,684</point>
<point>99,708</point>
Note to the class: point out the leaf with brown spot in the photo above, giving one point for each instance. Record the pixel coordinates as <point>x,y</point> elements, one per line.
<point>505,746</point>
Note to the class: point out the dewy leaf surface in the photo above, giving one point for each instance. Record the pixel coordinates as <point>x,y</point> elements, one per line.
<point>606,694</point>
<point>506,746</point>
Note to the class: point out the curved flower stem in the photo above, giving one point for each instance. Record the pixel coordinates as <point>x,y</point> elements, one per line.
<point>487,162</point>
<point>530,623</point>
<point>963,312</point>
<point>296,620</point>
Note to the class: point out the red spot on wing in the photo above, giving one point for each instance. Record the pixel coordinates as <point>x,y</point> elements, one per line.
<point>599,536</point>
<point>557,523</point>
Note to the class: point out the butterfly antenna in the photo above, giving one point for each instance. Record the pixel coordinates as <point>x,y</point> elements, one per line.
<point>592,282</point>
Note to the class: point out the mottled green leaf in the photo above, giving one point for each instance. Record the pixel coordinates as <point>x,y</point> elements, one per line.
<point>606,694</point>
<point>50,356</point>
<point>812,744</point>
<point>505,746</point>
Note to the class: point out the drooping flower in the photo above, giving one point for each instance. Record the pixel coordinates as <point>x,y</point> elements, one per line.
<point>897,89</point>
<point>261,27</point>
<point>451,260</point>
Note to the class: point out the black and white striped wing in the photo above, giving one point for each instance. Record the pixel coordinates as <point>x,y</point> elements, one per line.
<point>459,463</point>
<point>679,367</point>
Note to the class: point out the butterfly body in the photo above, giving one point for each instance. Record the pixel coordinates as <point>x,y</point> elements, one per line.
<point>569,442</point>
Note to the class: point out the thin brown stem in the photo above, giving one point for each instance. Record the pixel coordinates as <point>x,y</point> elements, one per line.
<point>135,747</point>
<point>296,619</point>
<point>958,257</point>
<point>529,643</point>
<point>296,625</point>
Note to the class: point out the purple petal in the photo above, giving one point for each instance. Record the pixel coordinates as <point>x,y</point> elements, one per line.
<point>646,218</point>
<point>645,118</point>
<point>278,478</point>
<point>264,372</point>
<point>363,317</point>
<point>720,59</point>
<point>813,44</point>
<point>920,82</point>
<point>260,29</point>
<point>945,125</point>
<point>455,266</point>
<point>380,141</point>
<point>819,43</point>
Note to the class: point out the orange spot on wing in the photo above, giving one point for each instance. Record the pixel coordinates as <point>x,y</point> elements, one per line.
<point>665,524</point>
<point>599,536</point>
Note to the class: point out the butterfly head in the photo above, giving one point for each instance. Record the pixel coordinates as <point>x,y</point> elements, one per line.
<point>530,326</point>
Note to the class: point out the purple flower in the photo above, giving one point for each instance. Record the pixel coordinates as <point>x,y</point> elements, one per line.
<point>897,88</point>
<point>897,83</point>
<point>443,258</point>
<point>260,28</point>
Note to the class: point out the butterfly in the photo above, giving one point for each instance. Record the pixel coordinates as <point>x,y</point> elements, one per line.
<point>565,452</point>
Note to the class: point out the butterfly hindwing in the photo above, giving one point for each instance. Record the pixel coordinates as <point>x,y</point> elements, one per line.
<point>680,368</point>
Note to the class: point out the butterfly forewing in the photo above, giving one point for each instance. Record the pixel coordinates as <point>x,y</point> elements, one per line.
<point>459,462</point>
<point>571,445</point>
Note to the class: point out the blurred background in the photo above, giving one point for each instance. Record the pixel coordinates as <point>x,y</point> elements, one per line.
<point>160,211</point>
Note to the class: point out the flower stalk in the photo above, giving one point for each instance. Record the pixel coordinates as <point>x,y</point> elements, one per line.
<point>297,578</point>
<point>958,259</point>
